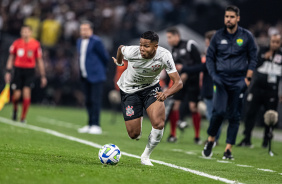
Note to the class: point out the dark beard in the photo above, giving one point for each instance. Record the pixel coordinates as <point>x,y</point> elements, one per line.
<point>231,27</point>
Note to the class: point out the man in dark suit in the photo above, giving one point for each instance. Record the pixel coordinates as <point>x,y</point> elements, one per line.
<point>93,60</point>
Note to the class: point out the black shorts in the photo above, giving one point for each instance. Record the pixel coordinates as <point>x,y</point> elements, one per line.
<point>133,104</point>
<point>23,77</point>
<point>188,93</point>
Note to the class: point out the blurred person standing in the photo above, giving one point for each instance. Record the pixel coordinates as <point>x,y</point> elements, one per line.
<point>93,59</point>
<point>231,59</point>
<point>185,53</point>
<point>24,53</point>
<point>263,90</point>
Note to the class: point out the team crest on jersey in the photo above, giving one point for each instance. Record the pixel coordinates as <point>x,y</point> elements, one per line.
<point>129,111</point>
<point>156,67</point>
<point>20,52</point>
<point>29,53</point>
<point>240,41</point>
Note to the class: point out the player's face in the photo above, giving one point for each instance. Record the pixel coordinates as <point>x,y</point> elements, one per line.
<point>275,42</point>
<point>148,48</point>
<point>25,33</point>
<point>85,31</point>
<point>231,19</point>
<point>172,39</point>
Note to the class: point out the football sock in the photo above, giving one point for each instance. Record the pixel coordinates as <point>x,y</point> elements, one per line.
<point>15,104</point>
<point>153,140</point>
<point>197,123</point>
<point>26,103</point>
<point>173,117</point>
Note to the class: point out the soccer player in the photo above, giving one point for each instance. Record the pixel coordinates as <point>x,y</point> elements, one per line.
<point>264,87</point>
<point>139,88</point>
<point>231,59</point>
<point>24,53</point>
<point>185,53</point>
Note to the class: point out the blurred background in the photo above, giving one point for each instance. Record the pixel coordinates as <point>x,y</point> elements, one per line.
<point>56,23</point>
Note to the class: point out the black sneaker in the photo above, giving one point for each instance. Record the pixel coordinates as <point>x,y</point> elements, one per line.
<point>14,116</point>
<point>197,141</point>
<point>265,143</point>
<point>207,152</point>
<point>227,155</point>
<point>245,143</point>
<point>171,139</point>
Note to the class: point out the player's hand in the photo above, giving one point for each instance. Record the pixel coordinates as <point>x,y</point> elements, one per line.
<point>161,96</point>
<point>8,77</point>
<point>115,61</point>
<point>247,82</point>
<point>184,77</point>
<point>43,82</point>
<point>179,67</point>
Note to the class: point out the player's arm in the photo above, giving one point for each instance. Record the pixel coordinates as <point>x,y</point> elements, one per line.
<point>118,60</point>
<point>177,85</point>
<point>42,72</point>
<point>9,67</point>
<point>252,57</point>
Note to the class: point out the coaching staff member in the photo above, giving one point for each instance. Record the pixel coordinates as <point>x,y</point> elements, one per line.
<point>93,60</point>
<point>231,59</point>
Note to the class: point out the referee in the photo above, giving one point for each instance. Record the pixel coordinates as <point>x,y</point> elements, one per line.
<point>24,53</point>
<point>231,59</point>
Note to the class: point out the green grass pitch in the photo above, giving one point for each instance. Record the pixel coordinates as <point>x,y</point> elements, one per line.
<point>29,156</point>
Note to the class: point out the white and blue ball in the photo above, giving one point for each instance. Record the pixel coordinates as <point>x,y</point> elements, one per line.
<point>109,154</point>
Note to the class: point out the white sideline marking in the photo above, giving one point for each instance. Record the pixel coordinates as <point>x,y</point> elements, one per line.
<point>190,153</point>
<point>57,122</point>
<point>177,150</point>
<point>266,170</point>
<point>244,165</point>
<point>224,161</point>
<point>58,134</point>
<point>280,173</point>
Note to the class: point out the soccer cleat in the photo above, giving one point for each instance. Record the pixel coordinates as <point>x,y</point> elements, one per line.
<point>23,121</point>
<point>146,161</point>
<point>84,129</point>
<point>14,116</point>
<point>245,143</point>
<point>207,152</point>
<point>182,125</point>
<point>94,129</point>
<point>197,141</point>
<point>227,155</point>
<point>172,139</point>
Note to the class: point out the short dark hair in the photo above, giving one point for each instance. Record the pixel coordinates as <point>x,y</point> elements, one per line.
<point>27,26</point>
<point>150,35</point>
<point>173,30</point>
<point>234,9</point>
<point>87,22</point>
<point>209,34</point>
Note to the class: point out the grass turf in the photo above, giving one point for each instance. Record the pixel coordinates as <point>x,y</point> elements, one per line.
<point>28,156</point>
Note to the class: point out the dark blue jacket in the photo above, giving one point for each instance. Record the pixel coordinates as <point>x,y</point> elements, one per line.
<point>231,54</point>
<point>96,59</point>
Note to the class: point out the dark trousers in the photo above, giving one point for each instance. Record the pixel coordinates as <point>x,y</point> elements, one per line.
<point>227,103</point>
<point>256,98</point>
<point>93,98</point>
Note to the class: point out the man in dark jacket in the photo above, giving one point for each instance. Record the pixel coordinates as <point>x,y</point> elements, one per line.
<point>93,60</point>
<point>263,90</point>
<point>231,59</point>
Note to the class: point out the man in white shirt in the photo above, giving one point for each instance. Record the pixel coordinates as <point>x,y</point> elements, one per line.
<point>139,87</point>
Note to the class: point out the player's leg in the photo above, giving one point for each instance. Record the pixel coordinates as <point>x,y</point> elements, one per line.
<point>16,86</point>
<point>134,128</point>
<point>174,117</point>
<point>196,117</point>
<point>156,113</point>
<point>15,99</point>
<point>220,98</point>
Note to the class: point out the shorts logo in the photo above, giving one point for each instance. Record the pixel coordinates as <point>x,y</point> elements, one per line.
<point>129,111</point>
<point>156,67</point>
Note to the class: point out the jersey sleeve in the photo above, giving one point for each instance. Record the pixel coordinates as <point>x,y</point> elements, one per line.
<point>13,49</point>
<point>129,52</point>
<point>169,63</point>
<point>38,52</point>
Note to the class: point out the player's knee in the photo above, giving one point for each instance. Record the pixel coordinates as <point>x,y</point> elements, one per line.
<point>159,125</point>
<point>134,134</point>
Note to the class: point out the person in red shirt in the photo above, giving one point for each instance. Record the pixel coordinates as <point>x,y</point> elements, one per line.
<point>24,53</point>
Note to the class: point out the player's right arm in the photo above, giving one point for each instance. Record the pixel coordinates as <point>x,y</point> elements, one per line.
<point>118,60</point>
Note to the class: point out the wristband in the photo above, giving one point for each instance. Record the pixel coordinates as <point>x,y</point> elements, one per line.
<point>249,78</point>
<point>8,70</point>
<point>119,64</point>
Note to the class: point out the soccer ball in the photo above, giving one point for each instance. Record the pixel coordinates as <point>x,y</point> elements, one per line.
<point>109,154</point>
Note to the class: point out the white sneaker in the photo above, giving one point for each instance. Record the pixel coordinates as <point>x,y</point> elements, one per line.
<point>84,129</point>
<point>146,161</point>
<point>94,129</point>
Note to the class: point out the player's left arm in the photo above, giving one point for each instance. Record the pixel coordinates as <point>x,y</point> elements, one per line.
<point>252,58</point>
<point>41,67</point>
<point>177,85</point>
